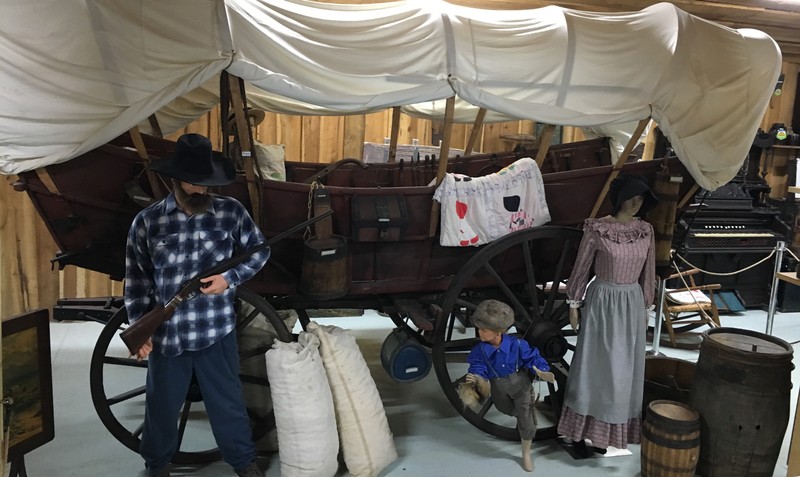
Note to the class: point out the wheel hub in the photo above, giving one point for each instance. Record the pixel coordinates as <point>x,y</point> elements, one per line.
<point>546,336</point>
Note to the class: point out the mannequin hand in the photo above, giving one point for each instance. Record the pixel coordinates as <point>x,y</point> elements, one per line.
<point>574,315</point>
<point>545,375</point>
<point>145,350</point>
<point>213,285</point>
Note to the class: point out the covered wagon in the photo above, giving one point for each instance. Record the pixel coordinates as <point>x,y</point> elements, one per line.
<point>78,99</point>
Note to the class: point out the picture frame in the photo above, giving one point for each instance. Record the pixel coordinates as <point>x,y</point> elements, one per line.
<point>28,380</point>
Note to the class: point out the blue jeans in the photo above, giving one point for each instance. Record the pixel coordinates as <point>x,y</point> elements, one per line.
<point>168,379</point>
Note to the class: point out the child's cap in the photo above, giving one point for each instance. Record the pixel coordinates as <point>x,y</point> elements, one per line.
<point>493,314</point>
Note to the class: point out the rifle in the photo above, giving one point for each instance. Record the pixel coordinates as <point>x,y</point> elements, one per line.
<point>137,334</point>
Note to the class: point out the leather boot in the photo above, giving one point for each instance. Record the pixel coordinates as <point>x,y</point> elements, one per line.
<point>527,462</point>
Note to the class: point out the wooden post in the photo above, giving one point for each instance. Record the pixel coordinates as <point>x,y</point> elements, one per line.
<point>47,180</point>
<point>649,143</point>
<point>155,126</point>
<point>686,198</point>
<point>141,150</point>
<point>543,143</point>
<point>476,130</point>
<point>444,153</point>
<point>354,131</point>
<point>637,133</point>
<point>245,148</point>
<point>395,134</point>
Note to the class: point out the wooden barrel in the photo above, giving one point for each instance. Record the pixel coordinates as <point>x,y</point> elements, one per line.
<point>670,440</point>
<point>667,378</point>
<point>742,391</point>
<point>325,273</point>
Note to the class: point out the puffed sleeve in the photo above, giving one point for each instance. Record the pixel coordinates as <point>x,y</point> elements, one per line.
<point>576,285</point>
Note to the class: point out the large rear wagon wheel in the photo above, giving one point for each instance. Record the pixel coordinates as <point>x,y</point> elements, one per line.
<point>523,269</point>
<point>119,402</point>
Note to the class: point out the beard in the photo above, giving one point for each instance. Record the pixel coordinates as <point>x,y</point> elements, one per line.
<point>191,203</point>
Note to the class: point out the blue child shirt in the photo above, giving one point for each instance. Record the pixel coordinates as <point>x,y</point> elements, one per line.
<point>513,353</point>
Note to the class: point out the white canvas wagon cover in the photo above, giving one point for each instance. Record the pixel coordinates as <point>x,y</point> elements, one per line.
<point>74,74</point>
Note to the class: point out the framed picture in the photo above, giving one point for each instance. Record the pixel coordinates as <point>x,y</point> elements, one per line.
<point>28,380</point>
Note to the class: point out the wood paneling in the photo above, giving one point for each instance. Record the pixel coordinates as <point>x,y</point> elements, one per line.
<point>26,280</point>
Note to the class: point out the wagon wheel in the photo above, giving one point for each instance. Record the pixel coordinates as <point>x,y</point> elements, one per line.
<point>518,269</point>
<point>120,402</point>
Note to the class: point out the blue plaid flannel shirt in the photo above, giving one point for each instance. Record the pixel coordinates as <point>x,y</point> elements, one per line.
<point>166,248</point>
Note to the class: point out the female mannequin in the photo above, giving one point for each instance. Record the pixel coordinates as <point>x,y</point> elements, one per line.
<point>603,400</point>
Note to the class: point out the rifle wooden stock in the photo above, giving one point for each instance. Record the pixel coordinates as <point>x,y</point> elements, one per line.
<point>137,334</point>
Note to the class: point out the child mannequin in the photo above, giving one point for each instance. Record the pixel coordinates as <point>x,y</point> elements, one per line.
<point>603,397</point>
<point>499,365</point>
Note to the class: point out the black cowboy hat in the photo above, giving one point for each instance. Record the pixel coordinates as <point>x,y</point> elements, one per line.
<point>628,186</point>
<point>196,163</point>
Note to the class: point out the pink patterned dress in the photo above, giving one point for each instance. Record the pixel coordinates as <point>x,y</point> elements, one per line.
<point>603,399</point>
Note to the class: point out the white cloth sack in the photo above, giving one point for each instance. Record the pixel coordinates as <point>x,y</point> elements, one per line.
<point>253,339</point>
<point>270,161</point>
<point>366,439</point>
<point>478,210</point>
<point>308,444</point>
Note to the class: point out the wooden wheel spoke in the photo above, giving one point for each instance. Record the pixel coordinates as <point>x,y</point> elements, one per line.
<point>246,320</point>
<point>126,395</point>
<point>509,294</point>
<point>557,278</point>
<point>465,344</point>
<point>256,380</point>
<point>485,407</point>
<point>129,362</point>
<point>531,288</point>
<point>253,353</point>
<point>138,431</point>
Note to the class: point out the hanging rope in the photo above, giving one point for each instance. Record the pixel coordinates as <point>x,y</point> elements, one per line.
<point>726,274</point>
<point>314,186</point>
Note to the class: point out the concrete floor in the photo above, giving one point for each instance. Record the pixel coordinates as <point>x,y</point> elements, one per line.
<point>432,439</point>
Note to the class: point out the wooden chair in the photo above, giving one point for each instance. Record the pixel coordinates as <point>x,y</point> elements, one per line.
<point>687,308</point>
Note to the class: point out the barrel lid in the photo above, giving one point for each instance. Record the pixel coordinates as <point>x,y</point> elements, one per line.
<point>331,241</point>
<point>674,410</point>
<point>748,341</point>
